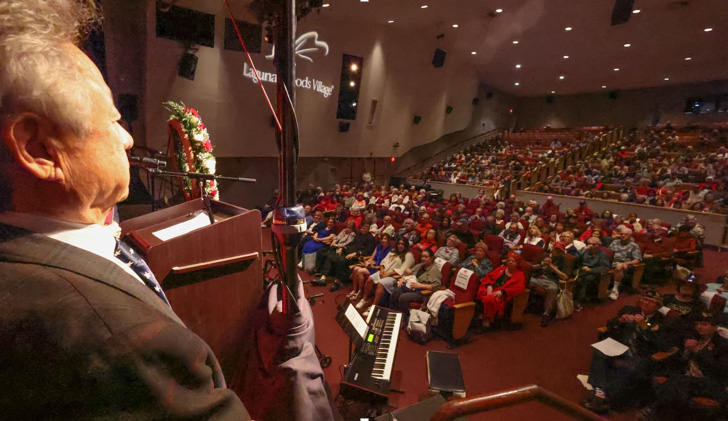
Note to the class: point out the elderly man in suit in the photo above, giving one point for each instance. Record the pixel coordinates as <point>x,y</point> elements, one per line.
<point>84,334</point>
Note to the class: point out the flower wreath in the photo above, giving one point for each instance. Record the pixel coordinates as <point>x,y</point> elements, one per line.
<point>192,147</point>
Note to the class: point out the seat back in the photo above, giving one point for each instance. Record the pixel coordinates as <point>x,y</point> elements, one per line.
<point>467,294</point>
<point>494,242</point>
<point>477,224</point>
<point>525,224</point>
<point>531,253</point>
<point>570,264</point>
<point>610,254</point>
<point>445,271</point>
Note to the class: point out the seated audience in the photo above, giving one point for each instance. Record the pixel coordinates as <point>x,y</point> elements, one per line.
<point>391,268</point>
<point>500,286</point>
<point>593,263</point>
<point>428,278</point>
<point>511,238</point>
<point>700,370</point>
<point>429,241</point>
<point>626,254</point>
<point>387,227</point>
<point>321,238</point>
<point>620,381</point>
<point>408,231</point>
<point>534,237</point>
<point>573,247</point>
<point>369,266</point>
<point>479,261</point>
<point>547,275</point>
<point>449,252</point>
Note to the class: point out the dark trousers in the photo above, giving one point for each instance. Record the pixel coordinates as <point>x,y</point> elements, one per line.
<point>586,288</point>
<point>625,379</point>
<point>657,271</point>
<point>401,298</point>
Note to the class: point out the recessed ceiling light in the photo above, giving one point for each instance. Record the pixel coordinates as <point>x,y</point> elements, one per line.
<point>604,86</point>
<point>553,92</point>
<point>354,68</point>
<point>616,69</point>
<point>424,6</point>
<point>325,5</point>
<point>688,58</point>
<point>708,29</point>
<point>561,77</point>
<point>635,11</point>
<point>566,57</point>
<point>667,78</point>
<point>568,28</point>
<point>499,10</point>
<point>455,25</point>
<point>516,83</point>
<point>474,53</point>
<point>515,42</point>
<point>627,45</point>
<point>352,83</point>
<point>518,66</point>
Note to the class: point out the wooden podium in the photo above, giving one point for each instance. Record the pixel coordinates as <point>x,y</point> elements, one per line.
<point>212,276</point>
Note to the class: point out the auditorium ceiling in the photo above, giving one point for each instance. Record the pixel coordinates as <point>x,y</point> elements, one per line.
<point>665,43</point>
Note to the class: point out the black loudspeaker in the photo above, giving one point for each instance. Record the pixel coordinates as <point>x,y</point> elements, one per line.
<point>489,95</point>
<point>439,59</point>
<point>349,84</point>
<point>476,101</point>
<point>417,119</point>
<point>622,11</point>
<point>128,107</point>
<point>187,66</point>
<point>550,99</point>
<point>448,109</point>
<point>613,94</point>
<point>272,121</point>
<point>344,126</point>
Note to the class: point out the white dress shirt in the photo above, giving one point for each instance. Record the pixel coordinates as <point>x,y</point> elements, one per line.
<point>93,238</point>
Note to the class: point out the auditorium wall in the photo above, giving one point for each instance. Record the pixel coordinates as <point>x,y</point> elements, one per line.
<point>397,73</point>
<point>631,108</point>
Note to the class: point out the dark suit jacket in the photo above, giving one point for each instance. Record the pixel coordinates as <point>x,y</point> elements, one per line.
<point>83,339</point>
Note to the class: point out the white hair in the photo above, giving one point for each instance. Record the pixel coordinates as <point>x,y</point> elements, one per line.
<point>37,74</point>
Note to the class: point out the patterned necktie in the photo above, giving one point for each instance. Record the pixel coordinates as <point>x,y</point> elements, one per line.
<point>130,258</point>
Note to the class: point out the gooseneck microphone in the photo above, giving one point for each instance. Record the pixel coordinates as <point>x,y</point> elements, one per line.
<point>147,162</point>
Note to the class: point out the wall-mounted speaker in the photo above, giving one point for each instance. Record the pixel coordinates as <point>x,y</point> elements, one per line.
<point>187,66</point>
<point>476,101</point>
<point>349,84</point>
<point>613,94</point>
<point>417,119</point>
<point>344,126</point>
<point>448,109</point>
<point>439,59</point>
<point>186,26</point>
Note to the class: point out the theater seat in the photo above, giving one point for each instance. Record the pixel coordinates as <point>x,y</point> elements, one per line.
<point>518,304</point>
<point>463,304</point>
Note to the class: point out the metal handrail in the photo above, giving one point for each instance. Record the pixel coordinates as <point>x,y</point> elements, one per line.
<point>510,397</point>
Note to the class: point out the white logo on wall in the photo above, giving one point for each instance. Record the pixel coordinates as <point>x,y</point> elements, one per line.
<point>307,83</point>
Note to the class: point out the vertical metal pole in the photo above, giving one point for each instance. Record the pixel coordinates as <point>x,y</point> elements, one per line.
<point>289,219</point>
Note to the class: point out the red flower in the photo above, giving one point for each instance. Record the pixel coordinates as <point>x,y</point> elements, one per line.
<point>208,145</point>
<point>194,112</point>
<point>212,183</point>
<point>213,192</point>
<point>201,126</point>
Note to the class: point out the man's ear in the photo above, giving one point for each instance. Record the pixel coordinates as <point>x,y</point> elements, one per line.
<point>29,138</point>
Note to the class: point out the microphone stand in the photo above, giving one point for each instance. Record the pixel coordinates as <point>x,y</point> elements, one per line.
<point>200,178</point>
<point>288,218</point>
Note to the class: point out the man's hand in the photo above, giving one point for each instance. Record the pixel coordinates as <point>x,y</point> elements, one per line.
<point>489,289</point>
<point>408,272</point>
<point>586,269</point>
<point>339,251</point>
<point>351,256</point>
<point>626,318</point>
<point>691,345</point>
<point>646,256</point>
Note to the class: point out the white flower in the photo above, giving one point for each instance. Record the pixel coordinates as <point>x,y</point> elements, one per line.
<point>194,120</point>
<point>210,164</point>
<point>198,137</point>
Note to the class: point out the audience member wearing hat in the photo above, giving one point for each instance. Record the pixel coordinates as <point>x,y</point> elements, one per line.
<point>500,286</point>
<point>700,370</point>
<point>624,380</point>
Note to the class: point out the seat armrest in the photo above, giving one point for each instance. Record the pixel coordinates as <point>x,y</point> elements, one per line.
<point>661,356</point>
<point>464,305</point>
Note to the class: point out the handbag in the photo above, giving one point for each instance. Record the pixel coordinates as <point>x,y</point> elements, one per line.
<point>565,303</point>
<point>418,326</point>
<point>309,261</point>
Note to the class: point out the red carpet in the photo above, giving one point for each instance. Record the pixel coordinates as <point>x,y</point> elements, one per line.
<point>549,357</point>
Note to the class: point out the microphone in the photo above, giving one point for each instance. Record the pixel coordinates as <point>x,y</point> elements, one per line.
<point>139,161</point>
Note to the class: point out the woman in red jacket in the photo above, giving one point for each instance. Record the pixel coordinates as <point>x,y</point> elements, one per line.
<point>500,286</point>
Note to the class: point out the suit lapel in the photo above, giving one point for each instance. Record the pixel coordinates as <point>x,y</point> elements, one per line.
<point>22,246</point>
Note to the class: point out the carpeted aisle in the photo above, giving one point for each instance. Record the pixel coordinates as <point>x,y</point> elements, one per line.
<point>550,357</point>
